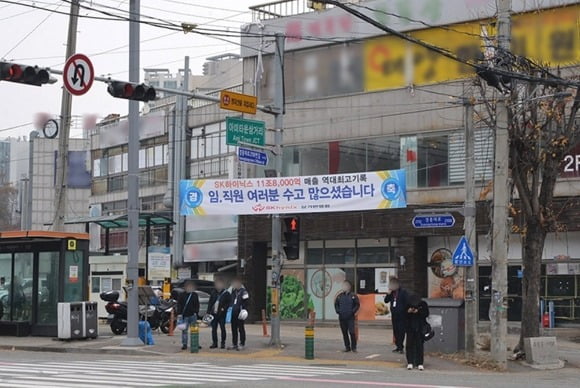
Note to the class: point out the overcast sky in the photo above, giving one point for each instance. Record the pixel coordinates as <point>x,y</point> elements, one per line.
<point>38,37</point>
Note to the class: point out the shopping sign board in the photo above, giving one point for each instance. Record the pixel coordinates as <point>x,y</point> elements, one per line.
<point>303,194</point>
<point>245,131</point>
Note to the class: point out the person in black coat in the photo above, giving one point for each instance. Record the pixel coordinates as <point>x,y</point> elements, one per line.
<point>417,313</point>
<point>219,302</point>
<point>347,305</point>
<point>240,299</point>
<point>397,296</point>
<point>187,310</point>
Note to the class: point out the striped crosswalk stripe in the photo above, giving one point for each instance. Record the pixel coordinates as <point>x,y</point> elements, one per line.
<point>122,373</point>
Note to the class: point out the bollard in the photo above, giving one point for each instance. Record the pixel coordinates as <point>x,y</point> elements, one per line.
<point>309,342</point>
<point>194,338</point>
<point>264,324</point>
<point>171,322</point>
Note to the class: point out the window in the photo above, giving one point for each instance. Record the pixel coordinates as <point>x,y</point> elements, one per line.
<point>95,284</point>
<point>150,153</point>
<point>142,159</point>
<point>433,161</point>
<point>170,84</point>
<point>159,155</point>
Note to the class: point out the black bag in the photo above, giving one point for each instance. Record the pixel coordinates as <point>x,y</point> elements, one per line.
<point>427,332</point>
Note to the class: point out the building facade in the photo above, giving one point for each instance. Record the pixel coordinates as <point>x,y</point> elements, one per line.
<point>373,102</point>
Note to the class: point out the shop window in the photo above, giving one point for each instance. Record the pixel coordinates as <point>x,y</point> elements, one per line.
<point>561,285</point>
<point>339,256</point>
<point>432,161</point>
<point>373,255</point>
<point>314,255</point>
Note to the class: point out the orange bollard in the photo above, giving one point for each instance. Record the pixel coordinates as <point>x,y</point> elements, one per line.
<point>171,319</point>
<point>264,325</point>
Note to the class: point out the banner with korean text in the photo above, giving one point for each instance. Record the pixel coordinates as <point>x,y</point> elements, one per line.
<point>304,194</point>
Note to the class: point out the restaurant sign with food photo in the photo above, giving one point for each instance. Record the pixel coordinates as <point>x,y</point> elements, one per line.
<point>445,280</point>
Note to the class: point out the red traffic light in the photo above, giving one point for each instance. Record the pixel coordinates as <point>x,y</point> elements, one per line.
<point>131,91</point>
<point>293,225</point>
<point>29,75</point>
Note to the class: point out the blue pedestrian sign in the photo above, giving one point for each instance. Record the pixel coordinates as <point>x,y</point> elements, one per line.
<point>463,255</point>
<point>253,157</point>
<point>434,221</point>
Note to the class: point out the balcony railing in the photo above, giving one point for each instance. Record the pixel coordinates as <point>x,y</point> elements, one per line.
<point>285,8</point>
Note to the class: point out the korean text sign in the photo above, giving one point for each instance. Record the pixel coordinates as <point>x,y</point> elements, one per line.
<point>304,194</point>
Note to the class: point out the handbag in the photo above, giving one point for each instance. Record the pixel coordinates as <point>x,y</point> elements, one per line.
<point>427,332</point>
<point>229,315</point>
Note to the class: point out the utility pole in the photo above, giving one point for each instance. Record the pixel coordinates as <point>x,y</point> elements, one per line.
<point>470,229</point>
<point>133,185</point>
<point>500,228</point>
<point>276,224</point>
<point>60,193</point>
<point>180,129</point>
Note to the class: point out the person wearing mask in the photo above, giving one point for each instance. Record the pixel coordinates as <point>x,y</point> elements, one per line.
<point>397,296</point>
<point>219,302</point>
<point>187,310</point>
<point>240,299</point>
<point>417,313</point>
<point>347,305</point>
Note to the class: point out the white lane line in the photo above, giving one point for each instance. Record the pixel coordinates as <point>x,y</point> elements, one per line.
<point>321,366</point>
<point>373,356</point>
<point>114,383</point>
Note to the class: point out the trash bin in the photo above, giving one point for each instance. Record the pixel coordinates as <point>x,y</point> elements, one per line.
<point>91,320</point>
<point>447,318</point>
<point>70,320</point>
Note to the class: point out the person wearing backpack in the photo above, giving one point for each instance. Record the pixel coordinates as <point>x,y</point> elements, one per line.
<point>219,302</point>
<point>187,311</point>
<point>346,306</point>
<point>239,304</point>
<point>417,313</point>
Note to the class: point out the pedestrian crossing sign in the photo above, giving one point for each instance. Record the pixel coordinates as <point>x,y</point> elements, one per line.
<point>463,255</point>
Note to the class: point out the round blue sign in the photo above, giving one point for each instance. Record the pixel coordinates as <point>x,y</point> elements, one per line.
<point>193,197</point>
<point>391,189</point>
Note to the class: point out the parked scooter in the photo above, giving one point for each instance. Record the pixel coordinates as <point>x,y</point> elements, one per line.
<point>166,308</point>
<point>118,313</point>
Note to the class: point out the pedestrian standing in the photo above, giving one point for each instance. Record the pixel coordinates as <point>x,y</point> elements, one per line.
<point>397,296</point>
<point>347,305</point>
<point>188,310</point>
<point>417,313</point>
<point>240,299</point>
<point>218,307</point>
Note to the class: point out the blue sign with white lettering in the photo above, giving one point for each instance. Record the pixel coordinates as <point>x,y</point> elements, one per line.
<point>463,255</point>
<point>253,157</point>
<point>434,221</point>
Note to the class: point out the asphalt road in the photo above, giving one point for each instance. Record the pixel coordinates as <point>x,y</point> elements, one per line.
<point>44,369</point>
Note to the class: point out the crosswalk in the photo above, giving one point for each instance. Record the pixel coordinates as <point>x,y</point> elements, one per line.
<point>121,373</point>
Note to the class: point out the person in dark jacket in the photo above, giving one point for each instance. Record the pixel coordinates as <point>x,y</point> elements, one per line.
<point>346,306</point>
<point>187,310</point>
<point>417,313</point>
<point>240,299</point>
<point>219,302</point>
<point>397,296</point>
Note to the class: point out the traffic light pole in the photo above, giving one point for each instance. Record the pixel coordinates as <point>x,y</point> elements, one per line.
<point>133,186</point>
<point>276,224</point>
<point>60,194</point>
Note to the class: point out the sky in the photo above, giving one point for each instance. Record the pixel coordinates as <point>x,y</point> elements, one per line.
<point>37,37</point>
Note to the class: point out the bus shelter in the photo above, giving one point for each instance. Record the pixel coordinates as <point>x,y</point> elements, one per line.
<point>39,269</point>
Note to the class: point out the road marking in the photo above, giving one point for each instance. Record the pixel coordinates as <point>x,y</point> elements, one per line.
<point>374,383</point>
<point>373,356</point>
<point>119,373</point>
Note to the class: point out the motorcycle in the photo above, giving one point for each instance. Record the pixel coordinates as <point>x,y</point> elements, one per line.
<point>166,308</point>
<point>118,313</point>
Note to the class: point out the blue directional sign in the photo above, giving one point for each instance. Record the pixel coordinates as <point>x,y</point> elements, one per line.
<point>253,157</point>
<point>463,255</point>
<point>434,221</point>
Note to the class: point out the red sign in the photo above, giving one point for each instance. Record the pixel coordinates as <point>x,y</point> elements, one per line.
<point>78,74</point>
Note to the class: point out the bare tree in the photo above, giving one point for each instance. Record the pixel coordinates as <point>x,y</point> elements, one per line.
<point>543,127</point>
<point>7,206</point>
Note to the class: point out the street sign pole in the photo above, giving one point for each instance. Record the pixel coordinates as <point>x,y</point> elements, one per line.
<point>276,225</point>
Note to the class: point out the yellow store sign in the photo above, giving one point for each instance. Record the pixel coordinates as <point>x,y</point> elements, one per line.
<point>552,37</point>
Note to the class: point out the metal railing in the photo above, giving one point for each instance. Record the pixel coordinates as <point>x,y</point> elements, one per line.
<point>285,8</point>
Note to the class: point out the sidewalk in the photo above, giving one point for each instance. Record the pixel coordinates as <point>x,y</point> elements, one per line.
<point>374,347</point>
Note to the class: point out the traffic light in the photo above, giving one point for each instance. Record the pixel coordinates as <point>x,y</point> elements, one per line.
<point>292,237</point>
<point>24,74</point>
<point>130,91</point>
